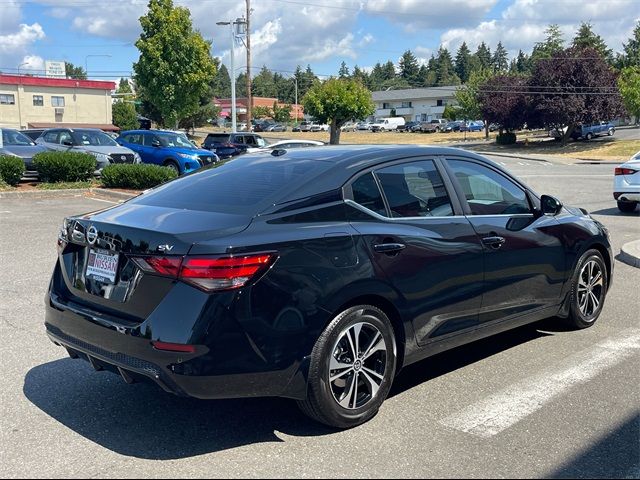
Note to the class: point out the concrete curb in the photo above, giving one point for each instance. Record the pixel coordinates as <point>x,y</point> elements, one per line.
<point>630,253</point>
<point>71,192</point>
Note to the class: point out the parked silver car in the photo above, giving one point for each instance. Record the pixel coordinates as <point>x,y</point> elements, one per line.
<point>16,144</point>
<point>88,140</point>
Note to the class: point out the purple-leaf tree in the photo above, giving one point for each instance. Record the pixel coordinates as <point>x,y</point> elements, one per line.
<point>504,100</point>
<point>572,87</point>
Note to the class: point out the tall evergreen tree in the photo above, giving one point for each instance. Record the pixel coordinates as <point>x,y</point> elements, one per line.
<point>222,83</point>
<point>523,62</point>
<point>344,70</point>
<point>445,71</point>
<point>500,59</point>
<point>376,78</point>
<point>631,50</point>
<point>552,44</point>
<point>409,68</point>
<point>483,54</point>
<point>463,62</point>
<point>389,71</point>
<point>263,84</point>
<point>360,76</point>
<point>431,77</point>
<point>587,38</point>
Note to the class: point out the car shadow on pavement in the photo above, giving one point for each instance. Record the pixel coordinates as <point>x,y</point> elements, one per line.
<point>460,357</point>
<point>614,212</point>
<point>142,421</point>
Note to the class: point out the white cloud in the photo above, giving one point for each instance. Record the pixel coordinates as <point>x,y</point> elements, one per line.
<point>34,63</point>
<point>15,45</point>
<point>524,22</point>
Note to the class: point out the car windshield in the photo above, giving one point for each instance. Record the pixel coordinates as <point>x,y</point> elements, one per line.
<point>13,137</point>
<point>94,138</point>
<point>175,140</point>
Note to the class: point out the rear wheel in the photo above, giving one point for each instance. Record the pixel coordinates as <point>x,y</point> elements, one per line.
<point>611,131</point>
<point>589,136</point>
<point>588,290</point>
<point>352,368</point>
<point>627,207</point>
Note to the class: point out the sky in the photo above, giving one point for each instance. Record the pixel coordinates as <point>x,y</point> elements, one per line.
<point>285,33</point>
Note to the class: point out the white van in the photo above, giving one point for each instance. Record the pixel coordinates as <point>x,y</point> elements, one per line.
<point>386,124</point>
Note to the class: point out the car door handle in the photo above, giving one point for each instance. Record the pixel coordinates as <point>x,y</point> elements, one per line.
<point>494,242</point>
<point>389,248</point>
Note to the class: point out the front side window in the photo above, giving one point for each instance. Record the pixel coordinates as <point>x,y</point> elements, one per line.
<point>487,191</point>
<point>57,101</point>
<point>51,137</point>
<point>415,189</point>
<point>7,99</point>
<point>65,138</point>
<point>38,101</point>
<point>366,193</point>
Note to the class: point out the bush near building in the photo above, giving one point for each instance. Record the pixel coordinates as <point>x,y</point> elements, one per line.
<point>65,166</point>
<point>136,177</point>
<point>11,169</point>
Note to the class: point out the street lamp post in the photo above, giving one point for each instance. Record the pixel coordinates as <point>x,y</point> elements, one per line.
<point>238,22</point>
<point>86,58</point>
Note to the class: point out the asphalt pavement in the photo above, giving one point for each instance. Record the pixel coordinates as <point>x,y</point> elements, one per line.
<point>539,401</point>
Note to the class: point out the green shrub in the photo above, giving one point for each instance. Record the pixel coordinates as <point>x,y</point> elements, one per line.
<point>11,169</point>
<point>138,176</point>
<point>65,166</point>
<point>507,138</point>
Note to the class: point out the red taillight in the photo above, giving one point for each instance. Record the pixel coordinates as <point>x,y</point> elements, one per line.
<point>625,171</point>
<point>174,347</point>
<point>208,273</point>
<point>223,273</point>
<point>169,266</point>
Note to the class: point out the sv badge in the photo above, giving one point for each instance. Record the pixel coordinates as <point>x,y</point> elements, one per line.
<point>164,248</point>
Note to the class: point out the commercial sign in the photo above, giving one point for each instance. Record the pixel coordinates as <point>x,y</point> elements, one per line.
<point>55,69</point>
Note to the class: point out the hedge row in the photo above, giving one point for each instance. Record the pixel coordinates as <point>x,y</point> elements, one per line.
<point>138,177</point>
<point>65,166</point>
<point>11,169</point>
<point>507,138</point>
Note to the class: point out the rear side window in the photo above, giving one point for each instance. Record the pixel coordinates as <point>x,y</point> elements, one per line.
<point>216,139</point>
<point>366,193</point>
<point>415,189</point>
<point>50,137</point>
<point>135,138</point>
<point>488,192</point>
<point>243,186</point>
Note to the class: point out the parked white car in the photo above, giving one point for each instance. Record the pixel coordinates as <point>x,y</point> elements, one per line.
<point>323,127</point>
<point>387,124</point>
<point>626,184</point>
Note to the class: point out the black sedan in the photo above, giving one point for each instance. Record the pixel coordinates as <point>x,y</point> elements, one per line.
<point>317,274</point>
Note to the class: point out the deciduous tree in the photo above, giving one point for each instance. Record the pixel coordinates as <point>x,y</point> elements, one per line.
<point>629,83</point>
<point>337,101</point>
<point>175,67</point>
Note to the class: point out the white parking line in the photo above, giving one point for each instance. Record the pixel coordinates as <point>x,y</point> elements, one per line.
<point>498,412</point>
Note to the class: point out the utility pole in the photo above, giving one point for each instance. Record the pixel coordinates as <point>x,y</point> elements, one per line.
<point>249,96</point>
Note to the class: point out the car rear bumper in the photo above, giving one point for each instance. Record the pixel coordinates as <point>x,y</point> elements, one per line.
<point>127,352</point>
<point>627,196</point>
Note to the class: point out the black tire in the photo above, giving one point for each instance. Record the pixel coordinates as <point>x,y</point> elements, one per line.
<point>627,207</point>
<point>585,317</point>
<point>589,136</point>
<point>611,131</point>
<point>321,403</point>
<point>173,165</point>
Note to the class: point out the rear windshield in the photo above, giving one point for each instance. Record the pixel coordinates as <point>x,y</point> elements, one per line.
<point>246,185</point>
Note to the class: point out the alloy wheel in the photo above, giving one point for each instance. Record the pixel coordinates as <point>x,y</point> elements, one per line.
<point>357,366</point>
<point>590,288</point>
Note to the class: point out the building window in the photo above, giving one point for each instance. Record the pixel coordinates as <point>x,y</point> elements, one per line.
<point>38,101</point>
<point>7,99</point>
<point>57,101</point>
<point>406,105</point>
<point>386,106</point>
<point>441,103</point>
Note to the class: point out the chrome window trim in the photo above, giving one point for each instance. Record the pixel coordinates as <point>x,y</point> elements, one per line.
<point>364,209</point>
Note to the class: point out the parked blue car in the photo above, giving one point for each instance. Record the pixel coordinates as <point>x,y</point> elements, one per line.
<point>170,149</point>
<point>472,127</point>
<point>588,131</point>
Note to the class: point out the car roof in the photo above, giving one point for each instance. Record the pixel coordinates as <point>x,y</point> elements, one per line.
<point>348,160</point>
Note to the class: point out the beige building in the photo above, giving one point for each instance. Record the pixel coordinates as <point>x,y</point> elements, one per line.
<point>417,104</point>
<point>38,102</point>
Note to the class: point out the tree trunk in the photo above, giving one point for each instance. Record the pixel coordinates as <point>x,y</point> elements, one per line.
<point>334,137</point>
<point>568,133</point>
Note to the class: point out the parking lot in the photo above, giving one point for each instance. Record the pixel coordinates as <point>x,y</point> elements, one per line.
<point>539,401</point>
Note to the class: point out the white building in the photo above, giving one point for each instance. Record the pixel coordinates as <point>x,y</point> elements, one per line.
<point>417,104</point>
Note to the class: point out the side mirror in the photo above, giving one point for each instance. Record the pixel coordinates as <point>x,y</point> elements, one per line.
<point>67,143</point>
<point>550,205</point>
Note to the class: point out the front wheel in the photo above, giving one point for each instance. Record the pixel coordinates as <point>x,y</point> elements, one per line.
<point>589,136</point>
<point>588,290</point>
<point>611,131</point>
<point>173,166</point>
<point>352,368</point>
